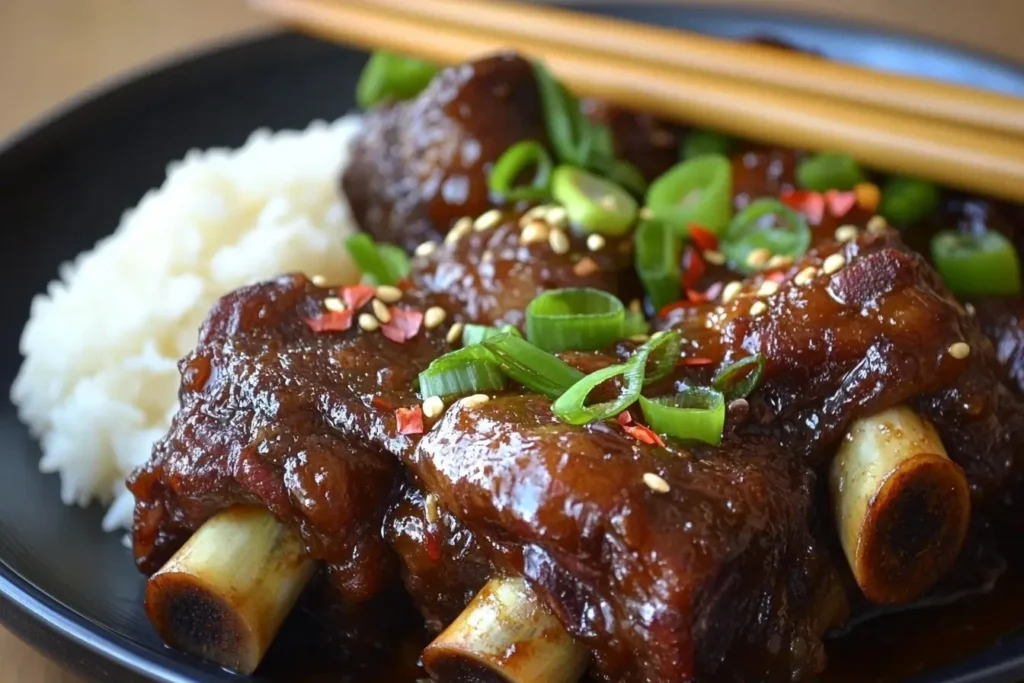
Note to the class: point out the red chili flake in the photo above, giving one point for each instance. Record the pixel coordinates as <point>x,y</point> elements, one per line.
<point>778,276</point>
<point>811,204</point>
<point>840,203</point>
<point>433,545</point>
<point>624,418</point>
<point>696,297</point>
<point>331,321</point>
<point>410,420</point>
<point>675,305</point>
<point>694,362</point>
<point>357,296</point>
<point>404,324</point>
<point>381,404</point>
<point>704,239</point>
<point>694,269</point>
<point>644,434</point>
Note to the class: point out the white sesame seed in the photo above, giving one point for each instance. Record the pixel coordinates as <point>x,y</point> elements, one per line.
<point>877,225</point>
<point>368,322</point>
<point>730,291</point>
<point>333,303</point>
<point>805,275</point>
<point>380,311</point>
<point>758,308</point>
<point>656,483</point>
<point>426,249</point>
<point>767,288</point>
<point>434,316</point>
<point>846,233</point>
<point>969,307</point>
<point>474,401</point>
<point>779,261</point>
<point>487,256</point>
<point>536,213</point>
<point>758,257</point>
<point>557,216</point>
<point>462,227</point>
<point>595,242</point>
<point>430,508</point>
<point>635,306</point>
<point>454,333</point>
<point>714,257</point>
<point>433,406</point>
<point>534,232</point>
<point>646,213</point>
<point>559,241</point>
<point>586,267</point>
<point>487,220</point>
<point>959,350</point>
<point>319,280</point>
<point>389,294</point>
<point>833,264</point>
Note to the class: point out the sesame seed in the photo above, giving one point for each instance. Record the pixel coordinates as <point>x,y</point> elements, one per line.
<point>846,233</point>
<point>430,508</point>
<point>536,213</point>
<point>487,256</point>
<point>474,401</point>
<point>656,483</point>
<point>758,257</point>
<point>959,350</point>
<point>595,242</point>
<point>462,227</point>
<point>368,322</point>
<point>434,316</point>
<point>805,275</point>
<point>426,249</point>
<point>833,264</point>
<point>877,225</point>
<point>646,213</point>
<point>454,333</point>
<point>969,307</point>
<point>758,308</point>
<point>389,294</point>
<point>768,287</point>
<point>557,216</point>
<point>380,311</point>
<point>487,220</point>
<point>535,231</point>
<point>559,241</point>
<point>730,291</point>
<point>635,306</point>
<point>319,280</point>
<point>586,267</point>
<point>714,257</point>
<point>333,303</point>
<point>779,261</point>
<point>433,406</point>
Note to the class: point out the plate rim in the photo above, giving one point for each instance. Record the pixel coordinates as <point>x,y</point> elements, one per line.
<point>62,623</point>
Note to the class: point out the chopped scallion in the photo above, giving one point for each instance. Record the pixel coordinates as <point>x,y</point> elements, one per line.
<point>390,76</point>
<point>977,265</point>
<point>534,368</point>
<point>470,370</point>
<point>698,191</point>
<point>656,252</point>
<point>574,319</point>
<point>522,157</point>
<point>741,378</point>
<point>829,171</point>
<point>906,201</point>
<point>475,334</point>
<point>593,203</point>
<point>697,414</point>
<point>766,224</point>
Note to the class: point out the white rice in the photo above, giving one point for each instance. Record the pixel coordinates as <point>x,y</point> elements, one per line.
<point>99,381</point>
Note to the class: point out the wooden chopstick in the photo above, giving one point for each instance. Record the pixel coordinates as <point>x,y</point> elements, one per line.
<point>759,64</point>
<point>964,158</point>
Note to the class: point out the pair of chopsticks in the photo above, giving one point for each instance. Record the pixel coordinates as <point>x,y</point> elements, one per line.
<point>955,136</point>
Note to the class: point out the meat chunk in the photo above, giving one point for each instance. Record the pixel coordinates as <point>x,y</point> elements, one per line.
<point>717,579</point>
<point>1002,320</point>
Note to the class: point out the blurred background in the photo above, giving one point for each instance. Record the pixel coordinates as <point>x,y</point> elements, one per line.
<point>51,50</point>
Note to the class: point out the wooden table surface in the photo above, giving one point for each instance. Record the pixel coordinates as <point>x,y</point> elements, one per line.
<point>53,49</point>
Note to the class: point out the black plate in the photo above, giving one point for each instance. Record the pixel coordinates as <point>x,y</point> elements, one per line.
<point>71,590</point>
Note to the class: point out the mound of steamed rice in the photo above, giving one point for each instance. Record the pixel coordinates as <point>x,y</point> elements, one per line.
<point>99,380</point>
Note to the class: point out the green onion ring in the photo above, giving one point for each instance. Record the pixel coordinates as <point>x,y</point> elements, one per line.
<point>665,348</point>
<point>698,191</point>
<point>534,368</point>
<point>656,254</point>
<point>467,371</point>
<point>574,319</point>
<point>829,171</point>
<point>392,76</point>
<point>697,414</point>
<point>516,160</point>
<point>593,204</point>
<point>977,265</point>
<point>755,228</point>
<point>378,268</point>
<point>906,201</point>
<point>475,334</point>
<point>741,378</point>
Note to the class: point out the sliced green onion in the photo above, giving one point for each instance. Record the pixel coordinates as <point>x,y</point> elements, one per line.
<point>592,203</point>
<point>697,414</point>
<point>757,227</point>
<point>470,370</point>
<point>534,368</point>
<point>560,111</point>
<point>634,324</point>
<point>620,172</point>
<point>379,266</point>
<point>574,319</point>
<point>741,378</point>
<point>698,143</point>
<point>516,160</point>
<point>392,76</point>
<point>829,171</point>
<point>475,334</point>
<point>397,262</point>
<point>695,191</point>
<point>657,262</point>
<point>977,265</point>
<point>570,407</point>
<point>906,201</point>
<point>665,348</point>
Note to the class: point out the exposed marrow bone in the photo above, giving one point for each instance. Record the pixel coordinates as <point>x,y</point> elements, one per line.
<point>224,595</point>
<point>506,635</point>
<point>901,505</point>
